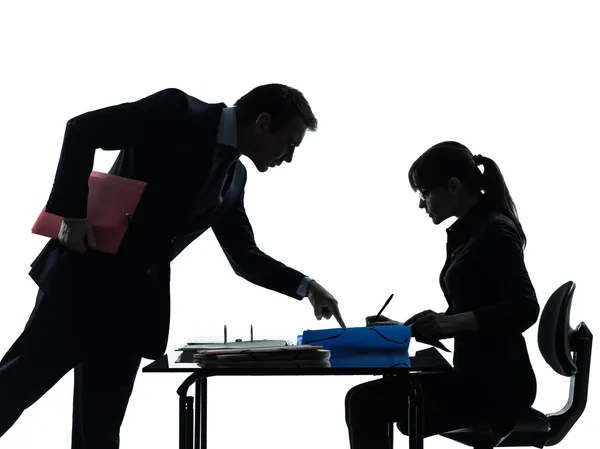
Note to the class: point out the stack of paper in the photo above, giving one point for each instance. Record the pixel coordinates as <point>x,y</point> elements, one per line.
<point>234,345</point>
<point>276,357</point>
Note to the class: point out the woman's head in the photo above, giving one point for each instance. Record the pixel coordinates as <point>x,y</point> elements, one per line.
<point>449,183</point>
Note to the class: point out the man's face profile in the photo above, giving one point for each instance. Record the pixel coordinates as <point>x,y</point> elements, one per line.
<point>273,148</point>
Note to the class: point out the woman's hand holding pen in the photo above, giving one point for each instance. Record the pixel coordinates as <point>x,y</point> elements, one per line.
<point>429,323</point>
<point>381,320</point>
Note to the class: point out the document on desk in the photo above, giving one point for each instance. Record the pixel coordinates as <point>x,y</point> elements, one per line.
<point>112,201</point>
<point>234,345</point>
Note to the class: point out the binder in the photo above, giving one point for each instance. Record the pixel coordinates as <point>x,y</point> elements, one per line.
<point>360,338</point>
<point>234,345</point>
<point>112,201</point>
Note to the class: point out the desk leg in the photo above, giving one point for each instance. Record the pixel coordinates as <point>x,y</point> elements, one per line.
<point>415,415</point>
<point>390,425</point>
<point>186,414</point>
<point>200,417</point>
<point>186,410</point>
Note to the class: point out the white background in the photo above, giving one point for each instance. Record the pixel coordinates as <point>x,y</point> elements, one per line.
<point>517,82</point>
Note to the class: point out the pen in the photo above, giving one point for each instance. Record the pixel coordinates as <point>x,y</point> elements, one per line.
<point>383,308</point>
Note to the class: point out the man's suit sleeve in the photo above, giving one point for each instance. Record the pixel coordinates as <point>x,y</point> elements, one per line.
<point>111,128</point>
<point>236,237</point>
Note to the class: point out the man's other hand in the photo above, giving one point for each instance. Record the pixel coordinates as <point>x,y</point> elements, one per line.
<point>76,234</point>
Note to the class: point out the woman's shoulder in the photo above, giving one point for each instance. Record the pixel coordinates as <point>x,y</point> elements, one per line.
<point>499,219</point>
<point>500,226</point>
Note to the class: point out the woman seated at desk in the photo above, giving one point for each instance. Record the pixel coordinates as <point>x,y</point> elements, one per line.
<point>491,302</point>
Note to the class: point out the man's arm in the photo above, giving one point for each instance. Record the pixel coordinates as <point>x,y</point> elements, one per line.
<point>111,128</point>
<point>236,237</point>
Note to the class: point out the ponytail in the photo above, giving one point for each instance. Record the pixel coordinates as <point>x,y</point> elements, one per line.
<point>497,193</point>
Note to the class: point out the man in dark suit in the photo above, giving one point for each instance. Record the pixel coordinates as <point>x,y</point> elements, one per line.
<point>89,302</point>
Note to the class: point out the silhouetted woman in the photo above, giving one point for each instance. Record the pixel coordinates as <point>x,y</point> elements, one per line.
<point>491,302</point>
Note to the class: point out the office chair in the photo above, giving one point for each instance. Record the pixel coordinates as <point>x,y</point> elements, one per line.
<point>556,340</point>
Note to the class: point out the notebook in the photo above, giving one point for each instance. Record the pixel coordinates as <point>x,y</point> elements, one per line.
<point>112,201</point>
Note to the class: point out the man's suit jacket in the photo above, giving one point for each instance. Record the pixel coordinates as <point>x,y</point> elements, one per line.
<point>168,140</point>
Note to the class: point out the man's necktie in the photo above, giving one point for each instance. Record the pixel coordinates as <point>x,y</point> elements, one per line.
<point>211,196</point>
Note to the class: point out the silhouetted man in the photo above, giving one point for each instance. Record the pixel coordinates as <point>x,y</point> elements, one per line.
<point>101,313</point>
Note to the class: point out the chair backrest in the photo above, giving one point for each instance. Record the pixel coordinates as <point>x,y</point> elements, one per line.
<point>569,352</point>
<point>555,332</point>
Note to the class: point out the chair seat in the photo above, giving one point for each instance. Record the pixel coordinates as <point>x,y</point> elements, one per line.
<point>532,421</point>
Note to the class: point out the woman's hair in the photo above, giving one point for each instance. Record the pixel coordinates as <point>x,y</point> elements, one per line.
<point>451,159</point>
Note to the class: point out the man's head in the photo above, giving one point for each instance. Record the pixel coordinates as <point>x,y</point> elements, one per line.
<point>272,120</point>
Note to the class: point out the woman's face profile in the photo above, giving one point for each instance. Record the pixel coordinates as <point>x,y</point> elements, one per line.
<point>429,199</point>
<point>440,202</point>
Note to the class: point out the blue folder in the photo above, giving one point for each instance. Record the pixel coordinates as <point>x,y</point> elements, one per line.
<point>382,358</point>
<point>363,338</point>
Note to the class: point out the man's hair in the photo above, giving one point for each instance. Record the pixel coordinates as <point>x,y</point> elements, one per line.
<point>283,103</point>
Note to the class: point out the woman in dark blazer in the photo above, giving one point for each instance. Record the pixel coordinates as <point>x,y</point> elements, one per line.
<point>491,302</point>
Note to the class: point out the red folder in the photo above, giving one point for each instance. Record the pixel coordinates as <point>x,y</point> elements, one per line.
<point>112,201</point>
